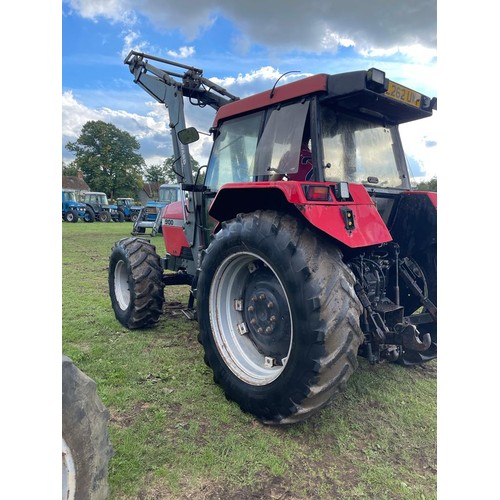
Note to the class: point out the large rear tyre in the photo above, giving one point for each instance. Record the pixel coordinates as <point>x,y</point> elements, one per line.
<point>86,449</point>
<point>279,319</point>
<point>135,283</point>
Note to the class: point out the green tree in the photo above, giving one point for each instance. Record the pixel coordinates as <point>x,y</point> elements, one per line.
<point>168,167</point>
<point>69,170</point>
<point>108,158</point>
<point>430,185</point>
<point>156,175</point>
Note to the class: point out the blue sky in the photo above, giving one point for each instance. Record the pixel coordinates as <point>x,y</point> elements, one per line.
<point>244,46</point>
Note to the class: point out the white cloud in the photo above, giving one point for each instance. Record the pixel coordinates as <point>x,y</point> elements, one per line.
<point>420,140</point>
<point>316,26</point>
<point>131,41</point>
<point>113,10</point>
<point>182,53</point>
<point>150,129</point>
<point>264,73</point>
<point>74,116</point>
<point>415,53</point>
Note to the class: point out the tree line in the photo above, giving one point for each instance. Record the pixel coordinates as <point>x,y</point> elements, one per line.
<point>110,161</point>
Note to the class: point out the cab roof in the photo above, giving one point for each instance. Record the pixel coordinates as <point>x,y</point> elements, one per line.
<point>366,92</point>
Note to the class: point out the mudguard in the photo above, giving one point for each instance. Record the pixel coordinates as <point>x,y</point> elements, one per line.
<point>355,223</point>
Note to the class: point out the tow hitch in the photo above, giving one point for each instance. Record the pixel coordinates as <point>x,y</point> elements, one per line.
<point>410,337</point>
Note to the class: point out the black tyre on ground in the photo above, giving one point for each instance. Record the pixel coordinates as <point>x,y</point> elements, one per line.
<point>134,216</point>
<point>279,319</point>
<point>135,283</point>
<point>104,216</point>
<point>71,216</point>
<point>121,216</point>
<point>89,216</point>
<point>86,446</point>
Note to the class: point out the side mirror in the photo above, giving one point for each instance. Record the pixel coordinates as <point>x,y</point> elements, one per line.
<point>188,135</point>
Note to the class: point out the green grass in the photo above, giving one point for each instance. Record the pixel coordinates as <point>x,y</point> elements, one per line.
<point>175,435</point>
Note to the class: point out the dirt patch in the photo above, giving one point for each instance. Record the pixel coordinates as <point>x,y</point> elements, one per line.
<point>124,420</point>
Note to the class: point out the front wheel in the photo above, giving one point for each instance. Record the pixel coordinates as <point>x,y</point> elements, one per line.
<point>135,283</point>
<point>71,216</point>
<point>89,216</point>
<point>104,216</point>
<point>279,319</point>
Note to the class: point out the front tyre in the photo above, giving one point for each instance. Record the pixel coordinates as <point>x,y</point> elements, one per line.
<point>104,216</point>
<point>279,319</point>
<point>135,283</point>
<point>71,216</point>
<point>89,216</point>
<point>85,443</point>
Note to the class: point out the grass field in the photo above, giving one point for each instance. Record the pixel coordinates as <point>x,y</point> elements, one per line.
<point>175,435</point>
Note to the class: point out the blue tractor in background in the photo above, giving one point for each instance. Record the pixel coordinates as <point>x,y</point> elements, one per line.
<point>150,215</point>
<point>73,210</point>
<point>97,203</point>
<point>129,209</point>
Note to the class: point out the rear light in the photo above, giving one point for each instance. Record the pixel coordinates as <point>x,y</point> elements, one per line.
<point>317,193</point>
<point>341,191</point>
<point>376,81</point>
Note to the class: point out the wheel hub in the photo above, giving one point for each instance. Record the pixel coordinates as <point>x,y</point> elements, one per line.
<point>266,315</point>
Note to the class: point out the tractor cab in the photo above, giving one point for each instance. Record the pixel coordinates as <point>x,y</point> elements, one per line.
<point>348,122</point>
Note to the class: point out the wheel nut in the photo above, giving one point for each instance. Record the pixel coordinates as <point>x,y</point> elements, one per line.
<point>270,305</point>
<point>251,309</point>
<point>262,296</point>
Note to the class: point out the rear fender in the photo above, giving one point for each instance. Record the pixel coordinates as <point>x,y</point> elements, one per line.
<point>331,217</point>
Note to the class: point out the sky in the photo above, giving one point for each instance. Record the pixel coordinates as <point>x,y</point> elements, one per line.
<point>245,47</point>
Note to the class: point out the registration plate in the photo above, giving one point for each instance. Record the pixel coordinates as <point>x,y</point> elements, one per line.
<point>403,94</point>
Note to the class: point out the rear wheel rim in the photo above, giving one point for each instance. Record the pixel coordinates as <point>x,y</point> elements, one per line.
<point>68,473</point>
<point>250,318</point>
<point>122,290</point>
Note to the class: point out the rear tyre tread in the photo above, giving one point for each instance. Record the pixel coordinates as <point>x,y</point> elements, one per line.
<point>330,341</point>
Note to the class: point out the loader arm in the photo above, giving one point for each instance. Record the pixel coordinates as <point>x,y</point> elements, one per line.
<point>170,87</point>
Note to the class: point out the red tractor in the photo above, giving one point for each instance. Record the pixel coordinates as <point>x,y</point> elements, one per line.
<point>303,242</point>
